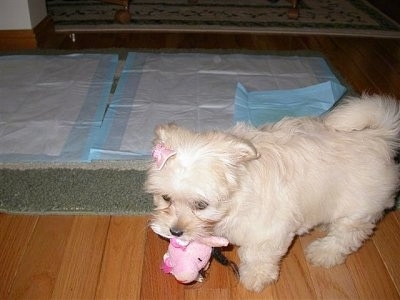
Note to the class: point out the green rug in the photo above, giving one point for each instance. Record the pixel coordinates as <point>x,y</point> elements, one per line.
<point>73,191</point>
<point>328,17</point>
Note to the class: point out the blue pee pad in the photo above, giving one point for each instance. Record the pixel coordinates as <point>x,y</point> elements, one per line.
<point>52,106</point>
<point>260,107</point>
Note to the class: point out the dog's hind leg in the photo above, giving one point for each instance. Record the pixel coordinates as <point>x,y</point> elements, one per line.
<point>344,237</point>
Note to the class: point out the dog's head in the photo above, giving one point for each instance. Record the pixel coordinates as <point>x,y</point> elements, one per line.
<point>192,178</point>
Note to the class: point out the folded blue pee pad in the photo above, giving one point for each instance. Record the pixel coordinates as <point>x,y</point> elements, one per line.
<point>260,107</point>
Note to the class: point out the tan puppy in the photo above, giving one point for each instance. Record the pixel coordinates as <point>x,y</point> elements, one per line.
<point>259,187</point>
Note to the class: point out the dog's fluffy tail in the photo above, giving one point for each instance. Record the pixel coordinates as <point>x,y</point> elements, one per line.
<point>380,114</point>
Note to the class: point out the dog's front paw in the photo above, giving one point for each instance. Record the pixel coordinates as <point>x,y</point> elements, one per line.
<point>255,278</point>
<point>323,252</point>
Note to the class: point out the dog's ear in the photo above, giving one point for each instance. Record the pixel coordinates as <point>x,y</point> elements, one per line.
<point>162,132</point>
<point>243,150</point>
<point>170,134</point>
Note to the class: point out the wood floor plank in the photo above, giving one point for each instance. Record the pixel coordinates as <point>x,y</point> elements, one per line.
<point>378,74</point>
<point>278,43</point>
<point>15,234</point>
<point>368,285</point>
<point>207,293</point>
<point>156,284</point>
<point>121,270</point>
<point>387,241</point>
<point>295,280</point>
<point>396,214</point>
<point>43,257</point>
<point>342,62</point>
<point>333,283</point>
<point>80,268</point>
<point>387,51</point>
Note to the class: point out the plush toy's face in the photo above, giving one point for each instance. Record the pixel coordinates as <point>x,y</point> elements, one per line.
<point>185,260</point>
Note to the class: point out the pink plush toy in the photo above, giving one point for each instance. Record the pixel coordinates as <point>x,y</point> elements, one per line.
<point>185,260</point>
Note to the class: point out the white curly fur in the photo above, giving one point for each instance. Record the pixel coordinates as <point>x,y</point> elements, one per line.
<point>262,186</point>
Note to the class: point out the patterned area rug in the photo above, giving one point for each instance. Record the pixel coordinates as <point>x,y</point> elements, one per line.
<point>328,17</point>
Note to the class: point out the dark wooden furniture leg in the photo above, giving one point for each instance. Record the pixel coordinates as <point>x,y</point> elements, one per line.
<point>293,12</point>
<point>122,15</point>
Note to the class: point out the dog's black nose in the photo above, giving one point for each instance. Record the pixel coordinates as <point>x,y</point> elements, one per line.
<point>176,232</point>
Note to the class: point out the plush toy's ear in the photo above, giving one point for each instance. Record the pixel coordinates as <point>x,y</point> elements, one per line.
<point>214,241</point>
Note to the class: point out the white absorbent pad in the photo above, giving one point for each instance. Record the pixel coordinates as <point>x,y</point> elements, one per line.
<point>52,106</point>
<point>194,90</point>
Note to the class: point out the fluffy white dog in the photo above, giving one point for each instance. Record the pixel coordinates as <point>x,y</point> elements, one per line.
<point>259,187</point>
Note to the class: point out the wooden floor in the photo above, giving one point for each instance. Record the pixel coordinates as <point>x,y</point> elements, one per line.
<point>110,257</point>
<point>103,257</point>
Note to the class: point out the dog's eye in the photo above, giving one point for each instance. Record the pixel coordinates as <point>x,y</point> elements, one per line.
<point>200,205</point>
<point>166,198</point>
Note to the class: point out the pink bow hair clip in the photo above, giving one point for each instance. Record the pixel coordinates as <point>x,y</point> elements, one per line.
<point>161,154</point>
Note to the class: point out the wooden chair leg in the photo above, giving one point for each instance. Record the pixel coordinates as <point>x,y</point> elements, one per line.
<point>122,16</point>
<point>293,12</point>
